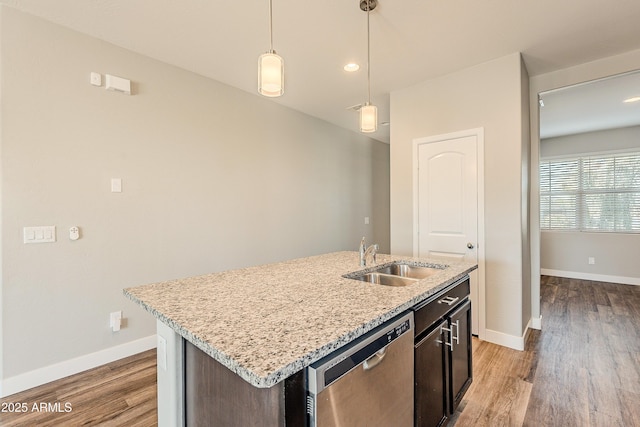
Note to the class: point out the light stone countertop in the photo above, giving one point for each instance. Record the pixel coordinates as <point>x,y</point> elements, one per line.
<point>268,322</point>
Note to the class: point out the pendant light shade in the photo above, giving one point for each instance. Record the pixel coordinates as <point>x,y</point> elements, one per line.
<point>270,74</point>
<point>270,67</point>
<point>368,118</point>
<point>368,112</point>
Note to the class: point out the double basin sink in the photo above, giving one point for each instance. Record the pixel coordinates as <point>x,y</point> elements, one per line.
<point>396,274</point>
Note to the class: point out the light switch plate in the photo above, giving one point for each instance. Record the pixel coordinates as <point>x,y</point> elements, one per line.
<point>42,234</point>
<point>116,185</point>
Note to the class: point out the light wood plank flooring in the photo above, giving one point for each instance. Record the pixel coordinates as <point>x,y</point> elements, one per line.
<point>583,369</point>
<point>122,393</point>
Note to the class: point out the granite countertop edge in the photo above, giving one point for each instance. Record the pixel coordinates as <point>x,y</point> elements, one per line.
<point>291,368</point>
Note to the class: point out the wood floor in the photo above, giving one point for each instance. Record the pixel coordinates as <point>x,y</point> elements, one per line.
<point>122,393</point>
<point>583,369</point>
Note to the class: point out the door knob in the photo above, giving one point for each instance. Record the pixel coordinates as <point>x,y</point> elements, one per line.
<point>470,245</point>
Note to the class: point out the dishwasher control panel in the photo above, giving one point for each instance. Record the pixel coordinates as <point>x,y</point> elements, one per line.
<point>399,330</point>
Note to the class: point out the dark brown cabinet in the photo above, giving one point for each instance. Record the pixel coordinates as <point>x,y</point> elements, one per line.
<point>430,393</point>
<point>216,396</point>
<point>461,372</point>
<point>443,365</point>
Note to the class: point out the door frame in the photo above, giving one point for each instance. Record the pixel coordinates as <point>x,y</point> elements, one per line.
<point>479,134</point>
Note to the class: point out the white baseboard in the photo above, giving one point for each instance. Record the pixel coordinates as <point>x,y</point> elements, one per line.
<point>590,276</point>
<point>60,370</point>
<point>506,340</point>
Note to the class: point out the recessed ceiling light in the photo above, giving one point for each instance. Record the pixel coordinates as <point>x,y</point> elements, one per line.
<point>634,99</point>
<point>351,67</point>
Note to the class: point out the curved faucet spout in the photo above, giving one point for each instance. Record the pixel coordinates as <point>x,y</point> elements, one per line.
<point>371,250</point>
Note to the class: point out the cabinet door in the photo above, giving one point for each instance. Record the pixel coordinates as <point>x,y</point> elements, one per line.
<point>430,396</point>
<point>460,354</point>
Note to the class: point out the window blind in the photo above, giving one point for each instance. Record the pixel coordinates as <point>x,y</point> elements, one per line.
<point>591,193</point>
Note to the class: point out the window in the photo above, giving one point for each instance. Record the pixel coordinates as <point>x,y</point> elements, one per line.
<point>594,193</point>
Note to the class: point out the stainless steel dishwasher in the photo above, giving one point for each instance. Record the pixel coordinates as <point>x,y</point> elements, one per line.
<point>367,383</point>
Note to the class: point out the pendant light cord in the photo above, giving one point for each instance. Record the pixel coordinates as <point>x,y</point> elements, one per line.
<point>368,53</point>
<point>270,26</point>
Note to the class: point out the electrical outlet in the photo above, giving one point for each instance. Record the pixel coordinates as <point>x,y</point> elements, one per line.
<point>115,320</point>
<point>592,260</point>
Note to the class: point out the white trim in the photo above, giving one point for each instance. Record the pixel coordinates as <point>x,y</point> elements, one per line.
<point>536,323</point>
<point>506,340</point>
<point>60,370</point>
<point>591,276</point>
<point>479,134</point>
<point>481,241</point>
<point>170,387</point>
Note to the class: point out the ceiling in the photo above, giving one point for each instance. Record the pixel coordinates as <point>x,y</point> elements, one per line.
<point>592,106</point>
<point>411,40</point>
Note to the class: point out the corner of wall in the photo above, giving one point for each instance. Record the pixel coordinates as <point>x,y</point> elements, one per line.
<point>525,124</point>
<point>600,68</point>
<point>435,107</point>
<point>1,226</point>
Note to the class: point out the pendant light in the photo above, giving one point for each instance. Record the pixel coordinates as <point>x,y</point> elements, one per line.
<point>270,67</point>
<point>368,112</point>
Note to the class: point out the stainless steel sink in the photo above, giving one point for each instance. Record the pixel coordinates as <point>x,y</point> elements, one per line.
<point>406,270</point>
<point>385,279</point>
<point>396,274</point>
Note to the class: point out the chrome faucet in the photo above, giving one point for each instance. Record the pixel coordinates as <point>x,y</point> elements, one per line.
<point>373,250</point>
<point>364,253</point>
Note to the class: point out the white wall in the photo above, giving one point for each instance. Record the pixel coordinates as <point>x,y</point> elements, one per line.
<point>488,95</point>
<point>567,253</point>
<point>604,67</point>
<point>213,178</point>
<point>616,255</point>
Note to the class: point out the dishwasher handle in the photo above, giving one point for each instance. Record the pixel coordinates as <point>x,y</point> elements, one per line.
<point>374,360</point>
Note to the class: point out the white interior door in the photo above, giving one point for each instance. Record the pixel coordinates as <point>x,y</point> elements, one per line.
<point>447,203</point>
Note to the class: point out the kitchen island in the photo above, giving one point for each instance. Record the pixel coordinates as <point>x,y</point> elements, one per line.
<point>269,322</point>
